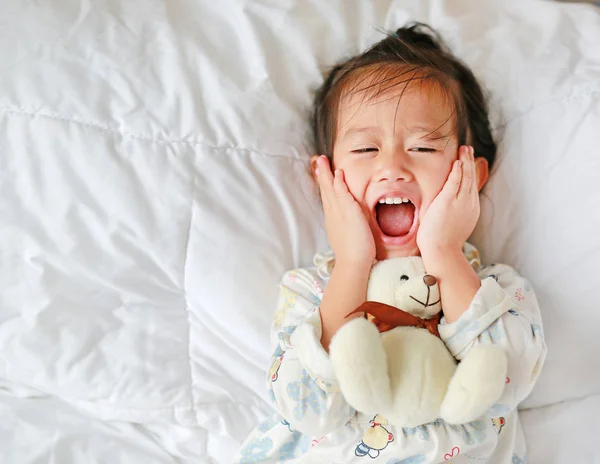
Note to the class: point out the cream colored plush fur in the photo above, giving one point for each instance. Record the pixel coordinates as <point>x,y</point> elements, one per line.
<point>407,374</point>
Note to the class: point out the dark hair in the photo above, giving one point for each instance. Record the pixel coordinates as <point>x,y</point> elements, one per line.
<point>413,53</point>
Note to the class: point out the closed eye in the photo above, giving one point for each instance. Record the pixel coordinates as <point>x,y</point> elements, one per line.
<point>364,150</point>
<point>422,149</point>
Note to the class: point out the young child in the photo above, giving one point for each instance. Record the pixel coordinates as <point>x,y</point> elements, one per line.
<point>406,146</point>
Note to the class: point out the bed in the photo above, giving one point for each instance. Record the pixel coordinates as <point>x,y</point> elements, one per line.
<point>154,187</point>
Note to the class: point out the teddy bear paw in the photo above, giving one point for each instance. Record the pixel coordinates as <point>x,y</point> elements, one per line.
<point>477,384</point>
<point>360,365</point>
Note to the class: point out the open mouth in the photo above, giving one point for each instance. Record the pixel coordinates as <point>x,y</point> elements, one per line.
<point>395,216</point>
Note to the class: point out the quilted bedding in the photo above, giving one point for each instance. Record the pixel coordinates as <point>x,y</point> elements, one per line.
<point>154,187</point>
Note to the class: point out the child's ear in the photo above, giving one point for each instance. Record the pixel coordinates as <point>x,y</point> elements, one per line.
<point>481,171</point>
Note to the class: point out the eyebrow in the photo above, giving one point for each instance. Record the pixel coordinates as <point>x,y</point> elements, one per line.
<point>360,130</point>
<point>431,133</point>
<point>420,129</point>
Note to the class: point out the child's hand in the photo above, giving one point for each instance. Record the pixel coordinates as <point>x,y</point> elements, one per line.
<point>451,218</point>
<point>347,226</point>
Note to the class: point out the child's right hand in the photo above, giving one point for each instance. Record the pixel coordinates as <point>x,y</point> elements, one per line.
<point>346,224</point>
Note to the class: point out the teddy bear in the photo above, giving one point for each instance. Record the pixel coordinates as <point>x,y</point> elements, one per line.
<point>393,362</point>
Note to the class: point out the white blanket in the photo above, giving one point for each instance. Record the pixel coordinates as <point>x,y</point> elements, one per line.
<point>154,187</point>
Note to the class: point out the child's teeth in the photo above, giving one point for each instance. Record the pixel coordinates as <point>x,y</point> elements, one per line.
<point>394,201</point>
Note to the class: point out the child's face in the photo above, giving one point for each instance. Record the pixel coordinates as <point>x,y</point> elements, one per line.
<point>397,146</point>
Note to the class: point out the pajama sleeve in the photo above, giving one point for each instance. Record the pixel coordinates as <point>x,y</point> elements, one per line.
<point>504,312</point>
<point>301,380</point>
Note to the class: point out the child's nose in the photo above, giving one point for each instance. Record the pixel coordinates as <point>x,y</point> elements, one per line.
<point>393,168</point>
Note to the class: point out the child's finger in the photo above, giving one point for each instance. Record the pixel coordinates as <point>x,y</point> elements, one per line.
<point>452,185</point>
<point>339,182</point>
<point>467,171</point>
<point>473,190</point>
<point>324,177</point>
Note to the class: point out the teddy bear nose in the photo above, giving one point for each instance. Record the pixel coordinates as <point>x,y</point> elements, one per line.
<point>429,280</point>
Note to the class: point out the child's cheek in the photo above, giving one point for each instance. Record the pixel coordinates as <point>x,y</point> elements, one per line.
<point>426,202</point>
<point>436,183</point>
<point>353,183</point>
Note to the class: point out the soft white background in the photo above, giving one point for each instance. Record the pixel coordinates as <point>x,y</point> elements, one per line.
<point>154,188</point>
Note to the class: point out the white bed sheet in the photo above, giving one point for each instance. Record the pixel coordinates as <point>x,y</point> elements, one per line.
<point>154,187</point>
<point>48,431</point>
<point>564,432</point>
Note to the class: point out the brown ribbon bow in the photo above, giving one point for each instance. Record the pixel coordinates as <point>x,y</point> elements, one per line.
<point>386,317</point>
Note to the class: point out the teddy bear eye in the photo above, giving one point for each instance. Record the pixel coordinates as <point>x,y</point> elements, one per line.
<point>404,278</point>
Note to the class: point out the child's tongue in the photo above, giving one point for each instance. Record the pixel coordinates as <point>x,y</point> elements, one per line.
<point>395,220</point>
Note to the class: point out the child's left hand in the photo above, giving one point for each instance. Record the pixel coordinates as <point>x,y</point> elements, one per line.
<point>451,218</point>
